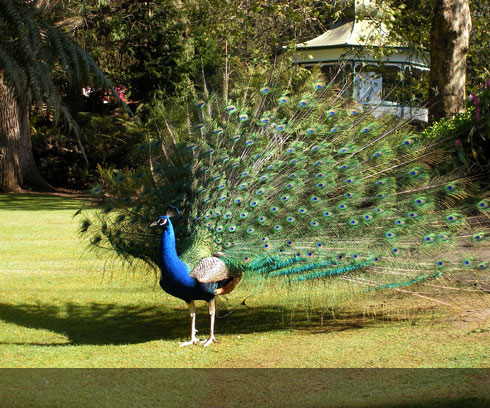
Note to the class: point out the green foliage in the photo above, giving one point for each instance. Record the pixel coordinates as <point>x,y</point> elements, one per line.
<point>142,44</point>
<point>479,52</point>
<point>469,132</point>
<point>402,18</point>
<point>103,140</point>
<point>110,139</point>
<point>258,30</point>
<point>450,127</point>
<point>160,47</point>
<point>479,136</point>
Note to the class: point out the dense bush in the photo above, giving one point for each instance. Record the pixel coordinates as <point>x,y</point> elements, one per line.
<point>470,131</point>
<point>68,160</point>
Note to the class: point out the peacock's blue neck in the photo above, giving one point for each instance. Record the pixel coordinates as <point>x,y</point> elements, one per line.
<point>167,243</point>
<point>174,271</point>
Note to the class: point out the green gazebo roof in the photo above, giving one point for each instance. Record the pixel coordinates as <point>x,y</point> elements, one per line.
<point>353,40</point>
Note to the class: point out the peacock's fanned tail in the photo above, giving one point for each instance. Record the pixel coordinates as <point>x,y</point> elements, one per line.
<point>287,178</point>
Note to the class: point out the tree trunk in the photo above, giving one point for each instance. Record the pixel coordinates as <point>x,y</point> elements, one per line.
<point>450,34</point>
<point>17,166</point>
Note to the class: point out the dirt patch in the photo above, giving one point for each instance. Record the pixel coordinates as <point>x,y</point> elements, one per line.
<point>472,319</point>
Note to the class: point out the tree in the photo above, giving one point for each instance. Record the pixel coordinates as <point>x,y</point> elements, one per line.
<point>443,27</point>
<point>449,44</point>
<point>31,48</point>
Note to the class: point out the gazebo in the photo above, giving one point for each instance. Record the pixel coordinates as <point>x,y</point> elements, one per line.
<point>353,43</point>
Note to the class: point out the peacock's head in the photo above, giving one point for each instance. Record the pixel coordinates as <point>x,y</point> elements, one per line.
<point>160,222</point>
<point>164,219</point>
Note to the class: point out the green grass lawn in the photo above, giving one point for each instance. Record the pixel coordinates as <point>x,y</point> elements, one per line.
<point>60,306</point>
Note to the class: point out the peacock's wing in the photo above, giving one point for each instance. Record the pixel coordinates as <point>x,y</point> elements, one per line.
<point>211,269</point>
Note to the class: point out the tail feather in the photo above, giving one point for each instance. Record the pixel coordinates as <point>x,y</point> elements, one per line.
<point>288,177</point>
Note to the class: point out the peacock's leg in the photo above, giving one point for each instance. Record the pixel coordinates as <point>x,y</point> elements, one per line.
<point>194,339</point>
<point>212,313</point>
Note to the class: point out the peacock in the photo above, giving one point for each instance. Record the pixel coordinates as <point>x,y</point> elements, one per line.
<point>284,176</point>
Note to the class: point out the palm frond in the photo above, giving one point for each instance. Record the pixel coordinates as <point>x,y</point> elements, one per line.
<point>31,47</point>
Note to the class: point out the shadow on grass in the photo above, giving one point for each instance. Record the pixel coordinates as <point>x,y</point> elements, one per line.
<point>270,387</point>
<point>99,324</point>
<point>40,202</point>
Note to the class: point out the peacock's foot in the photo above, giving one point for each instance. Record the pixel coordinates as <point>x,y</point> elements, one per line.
<point>207,342</point>
<point>192,341</point>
